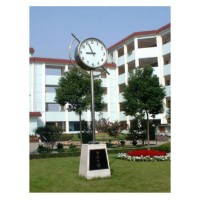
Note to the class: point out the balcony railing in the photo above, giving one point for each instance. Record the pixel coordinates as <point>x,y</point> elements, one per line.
<point>120,60</point>
<point>50,97</point>
<point>130,56</point>
<point>55,116</point>
<point>52,79</point>
<point>147,52</point>
<point>167,69</point>
<point>166,48</point>
<point>168,90</point>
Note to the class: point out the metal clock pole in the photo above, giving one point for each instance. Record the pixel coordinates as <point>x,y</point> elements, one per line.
<point>92,106</point>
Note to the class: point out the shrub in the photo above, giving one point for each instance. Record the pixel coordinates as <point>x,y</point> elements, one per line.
<point>42,149</point>
<point>86,137</point>
<point>59,146</point>
<point>165,147</point>
<point>112,128</point>
<point>72,146</point>
<point>49,134</point>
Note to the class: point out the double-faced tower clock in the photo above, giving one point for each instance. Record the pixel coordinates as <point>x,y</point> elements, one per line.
<point>90,54</point>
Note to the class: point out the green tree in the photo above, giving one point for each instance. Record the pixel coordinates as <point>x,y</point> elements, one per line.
<point>143,95</point>
<point>49,134</point>
<point>74,90</point>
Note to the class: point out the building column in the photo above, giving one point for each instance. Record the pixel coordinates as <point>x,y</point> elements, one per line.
<point>136,52</point>
<point>161,75</point>
<point>126,74</point>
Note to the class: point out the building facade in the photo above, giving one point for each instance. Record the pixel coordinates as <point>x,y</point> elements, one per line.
<point>140,48</point>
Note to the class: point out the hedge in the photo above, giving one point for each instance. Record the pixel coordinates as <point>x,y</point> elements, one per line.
<point>77,152</point>
<point>54,155</point>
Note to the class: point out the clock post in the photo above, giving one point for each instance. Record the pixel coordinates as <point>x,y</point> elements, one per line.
<point>92,106</point>
<point>91,54</point>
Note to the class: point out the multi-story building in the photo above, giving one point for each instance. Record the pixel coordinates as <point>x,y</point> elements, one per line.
<point>140,48</point>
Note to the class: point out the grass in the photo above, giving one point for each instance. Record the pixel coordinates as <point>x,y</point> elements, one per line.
<point>61,175</point>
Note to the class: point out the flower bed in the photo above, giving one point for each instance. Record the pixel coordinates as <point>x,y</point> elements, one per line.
<point>144,155</point>
<point>150,153</point>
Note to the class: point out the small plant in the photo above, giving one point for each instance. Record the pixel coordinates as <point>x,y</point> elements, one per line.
<point>60,147</point>
<point>72,146</point>
<point>122,142</point>
<point>109,144</point>
<point>134,142</point>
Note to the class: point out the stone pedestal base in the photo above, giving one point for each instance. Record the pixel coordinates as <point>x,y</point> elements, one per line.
<point>94,161</point>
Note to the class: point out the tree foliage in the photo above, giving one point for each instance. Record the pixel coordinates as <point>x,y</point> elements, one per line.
<point>143,95</point>
<point>74,90</point>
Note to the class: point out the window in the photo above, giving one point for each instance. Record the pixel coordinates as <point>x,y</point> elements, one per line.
<point>121,52</point>
<point>58,124</point>
<point>101,73</point>
<point>147,42</point>
<point>153,61</point>
<point>131,66</point>
<point>130,47</point>
<point>54,107</point>
<point>121,107</point>
<point>166,38</point>
<point>104,75</point>
<point>53,71</point>
<point>121,87</point>
<point>105,109</point>
<point>74,126</point>
<point>104,90</point>
<point>167,80</point>
<point>168,103</point>
<point>121,70</point>
<point>110,57</point>
<point>50,89</point>
<point>167,59</point>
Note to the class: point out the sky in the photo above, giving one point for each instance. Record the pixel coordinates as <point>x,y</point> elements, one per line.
<point>51,27</point>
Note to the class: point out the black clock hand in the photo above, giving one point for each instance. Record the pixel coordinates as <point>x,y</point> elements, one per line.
<point>90,53</point>
<point>91,49</point>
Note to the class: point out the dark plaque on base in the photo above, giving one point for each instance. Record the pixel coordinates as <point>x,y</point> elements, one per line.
<point>98,159</point>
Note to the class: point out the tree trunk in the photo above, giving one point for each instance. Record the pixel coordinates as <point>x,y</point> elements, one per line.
<point>80,126</point>
<point>148,146</point>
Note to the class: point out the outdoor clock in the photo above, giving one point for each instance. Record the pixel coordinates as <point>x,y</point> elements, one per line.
<point>91,53</point>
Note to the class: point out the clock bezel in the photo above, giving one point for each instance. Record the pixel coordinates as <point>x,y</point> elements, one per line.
<point>81,63</point>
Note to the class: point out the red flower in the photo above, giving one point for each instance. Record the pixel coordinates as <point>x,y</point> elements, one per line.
<point>150,153</point>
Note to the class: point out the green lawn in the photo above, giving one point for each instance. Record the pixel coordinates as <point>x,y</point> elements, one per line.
<point>61,175</point>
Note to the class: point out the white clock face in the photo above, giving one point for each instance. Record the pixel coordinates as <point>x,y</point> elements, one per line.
<point>92,52</point>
